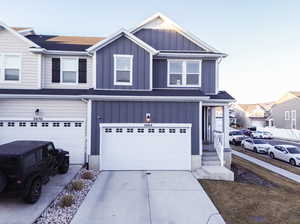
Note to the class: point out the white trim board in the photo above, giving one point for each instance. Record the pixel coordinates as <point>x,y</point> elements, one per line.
<point>107,98</point>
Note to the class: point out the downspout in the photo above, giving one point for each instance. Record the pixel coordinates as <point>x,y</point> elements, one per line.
<point>86,131</point>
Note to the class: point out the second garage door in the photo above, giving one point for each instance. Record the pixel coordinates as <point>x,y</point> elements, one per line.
<point>145,147</point>
<point>68,135</point>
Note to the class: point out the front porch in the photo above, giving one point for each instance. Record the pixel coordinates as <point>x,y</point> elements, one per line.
<point>215,152</point>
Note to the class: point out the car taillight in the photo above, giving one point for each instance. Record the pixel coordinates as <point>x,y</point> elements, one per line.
<point>19,181</point>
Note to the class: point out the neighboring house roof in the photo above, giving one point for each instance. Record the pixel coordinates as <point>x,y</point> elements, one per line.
<point>64,43</point>
<point>288,96</point>
<point>155,92</point>
<point>253,110</point>
<point>21,28</point>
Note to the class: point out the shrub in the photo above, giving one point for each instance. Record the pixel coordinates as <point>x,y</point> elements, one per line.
<point>67,200</point>
<point>87,175</point>
<point>77,185</point>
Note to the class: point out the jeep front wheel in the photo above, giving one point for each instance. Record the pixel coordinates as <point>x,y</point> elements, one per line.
<point>34,192</point>
<point>64,167</point>
<point>3,181</point>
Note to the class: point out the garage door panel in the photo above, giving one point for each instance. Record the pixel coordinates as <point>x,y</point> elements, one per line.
<point>68,135</point>
<point>142,148</point>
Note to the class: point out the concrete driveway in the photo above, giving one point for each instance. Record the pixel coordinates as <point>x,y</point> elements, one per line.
<point>135,197</point>
<point>15,211</point>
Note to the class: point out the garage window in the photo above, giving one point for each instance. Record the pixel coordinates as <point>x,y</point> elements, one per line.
<point>123,69</point>
<point>1,124</point>
<point>33,124</point>
<point>11,124</point>
<point>22,124</point>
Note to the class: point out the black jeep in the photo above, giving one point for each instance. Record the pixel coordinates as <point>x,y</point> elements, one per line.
<point>26,165</point>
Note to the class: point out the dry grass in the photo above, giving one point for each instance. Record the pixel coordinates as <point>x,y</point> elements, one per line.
<point>274,162</point>
<point>67,200</point>
<point>241,203</point>
<point>77,185</point>
<point>88,175</point>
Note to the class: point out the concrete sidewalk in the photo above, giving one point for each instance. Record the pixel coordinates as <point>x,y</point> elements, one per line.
<point>158,197</point>
<point>268,166</point>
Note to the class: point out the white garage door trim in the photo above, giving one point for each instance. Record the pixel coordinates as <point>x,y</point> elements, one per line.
<point>167,150</point>
<point>53,129</point>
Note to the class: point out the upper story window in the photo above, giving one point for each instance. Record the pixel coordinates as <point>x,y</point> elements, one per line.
<point>184,73</point>
<point>123,69</point>
<point>69,68</point>
<point>287,115</point>
<point>11,67</point>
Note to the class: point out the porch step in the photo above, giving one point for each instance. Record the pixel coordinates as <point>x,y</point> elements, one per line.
<point>210,159</point>
<point>214,173</point>
<point>211,163</point>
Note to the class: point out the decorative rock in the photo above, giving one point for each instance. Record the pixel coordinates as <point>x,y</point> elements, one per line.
<point>55,214</point>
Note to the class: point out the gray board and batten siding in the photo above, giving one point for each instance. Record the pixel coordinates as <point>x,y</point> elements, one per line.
<point>134,112</point>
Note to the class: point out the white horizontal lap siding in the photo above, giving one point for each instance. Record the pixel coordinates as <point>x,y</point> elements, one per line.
<point>24,108</point>
<point>47,74</point>
<point>9,43</point>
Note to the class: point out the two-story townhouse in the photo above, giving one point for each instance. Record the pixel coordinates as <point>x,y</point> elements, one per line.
<point>285,113</point>
<point>140,99</point>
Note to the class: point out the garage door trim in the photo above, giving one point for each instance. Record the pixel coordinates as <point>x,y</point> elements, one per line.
<point>115,126</point>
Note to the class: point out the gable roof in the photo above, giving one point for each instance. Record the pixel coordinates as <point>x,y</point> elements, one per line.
<point>16,33</point>
<point>64,43</point>
<point>288,96</point>
<point>122,32</point>
<point>183,32</point>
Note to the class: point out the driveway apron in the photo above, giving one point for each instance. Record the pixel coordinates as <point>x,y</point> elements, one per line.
<point>147,197</point>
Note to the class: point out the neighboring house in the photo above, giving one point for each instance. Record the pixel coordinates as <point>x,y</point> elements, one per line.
<point>139,99</point>
<point>285,113</point>
<point>251,115</point>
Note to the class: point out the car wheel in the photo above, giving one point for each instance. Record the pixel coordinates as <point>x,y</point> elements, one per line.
<point>255,149</point>
<point>292,162</point>
<point>272,155</point>
<point>34,192</point>
<point>64,167</point>
<point>3,181</point>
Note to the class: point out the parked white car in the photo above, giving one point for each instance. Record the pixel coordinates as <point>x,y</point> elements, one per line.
<point>288,153</point>
<point>236,137</point>
<point>256,145</point>
<point>262,134</point>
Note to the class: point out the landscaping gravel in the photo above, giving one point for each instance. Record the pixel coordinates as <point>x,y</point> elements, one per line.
<point>55,214</point>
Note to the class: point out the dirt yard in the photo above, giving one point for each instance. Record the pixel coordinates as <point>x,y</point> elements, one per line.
<point>257,196</point>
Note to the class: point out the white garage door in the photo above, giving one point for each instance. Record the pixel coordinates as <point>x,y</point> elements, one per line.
<point>68,135</point>
<point>140,147</point>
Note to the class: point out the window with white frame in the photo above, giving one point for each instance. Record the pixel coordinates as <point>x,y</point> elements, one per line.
<point>69,70</point>
<point>11,67</point>
<point>123,69</point>
<point>287,115</point>
<point>184,73</point>
<point>293,114</point>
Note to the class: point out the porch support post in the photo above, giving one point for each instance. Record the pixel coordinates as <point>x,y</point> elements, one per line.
<point>200,129</point>
<point>213,123</point>
<point>226,126</point>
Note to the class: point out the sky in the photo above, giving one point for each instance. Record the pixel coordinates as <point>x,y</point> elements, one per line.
<point>261,37</point>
